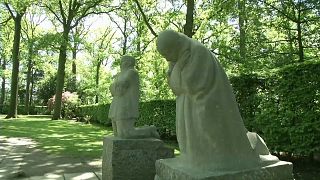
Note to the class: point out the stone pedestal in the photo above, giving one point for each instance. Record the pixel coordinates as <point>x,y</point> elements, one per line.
<point>171,169</point>
<point>132,159</point>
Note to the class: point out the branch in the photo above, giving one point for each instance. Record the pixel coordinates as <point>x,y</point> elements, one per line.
<point>62,12</point>
<point>281,12</point>
<point>147,44</point>
<point>223,55</point>
<point>87,12</point>
<point>145,18</point>
<point>54,13</point>
<point>10,11</point>
<point>119,27</point>
<point>311,20</point>
<point>6,21</point>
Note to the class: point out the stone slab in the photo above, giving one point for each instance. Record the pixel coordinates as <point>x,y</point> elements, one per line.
<point>81,176</point>
<point>47,177</point>
<point>132,159</point>
<point>170,169</point>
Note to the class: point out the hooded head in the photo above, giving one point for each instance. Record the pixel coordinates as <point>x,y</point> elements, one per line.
<point>169,44</point>
<point>127,62</point>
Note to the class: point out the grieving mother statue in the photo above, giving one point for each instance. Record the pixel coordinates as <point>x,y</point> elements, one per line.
<point>210,130</point>
<point>124,108</point>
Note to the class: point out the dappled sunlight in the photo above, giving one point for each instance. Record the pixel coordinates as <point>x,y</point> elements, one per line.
<point>59,136</point>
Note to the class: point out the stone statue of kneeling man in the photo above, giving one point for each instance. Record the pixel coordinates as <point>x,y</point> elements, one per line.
<point>125,103</point>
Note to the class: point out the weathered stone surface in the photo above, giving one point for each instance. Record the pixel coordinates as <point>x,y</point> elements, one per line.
<point>132,159</point>
<point>171,169</point>
<point>124,108</point>
<point>81,176</point>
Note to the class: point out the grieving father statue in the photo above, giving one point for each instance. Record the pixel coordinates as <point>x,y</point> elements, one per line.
<point>210,130</point>
<point>125,103</point>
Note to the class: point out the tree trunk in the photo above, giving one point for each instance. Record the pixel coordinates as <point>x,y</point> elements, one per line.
<point>27,99</point>
<point>32,86</point>
<point>242,29</point>
<point>61,74</point>
<point>13,107</point>
<point>125,37</point>
<point>300,45</point>
<point>74,67</point>
<point>188,27</point>
<point>97,79</point>
<point>3,84</point>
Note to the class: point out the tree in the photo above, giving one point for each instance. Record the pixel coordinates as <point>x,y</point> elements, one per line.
<point>299,14</point>
<point>5,50</point>
<point>16,14</point>
<point>69,14</point>
<point>31,22</point>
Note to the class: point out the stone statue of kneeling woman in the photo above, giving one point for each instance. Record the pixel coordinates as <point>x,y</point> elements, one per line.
<point>125,103</point>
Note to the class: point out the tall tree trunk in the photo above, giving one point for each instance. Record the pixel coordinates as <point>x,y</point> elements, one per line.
<point>242,29</point>
<point>74,67</point>
<point>3,84</point>
<point>188,27</point>
<point>300,45</point>
<point>97,79</point>
<point>32,86</point>
<point>299,32</point>
<point>13,107</point>
<point>61,74</point>
<point>125,37</point>
<point>29,66</point>
<point>3,87</point>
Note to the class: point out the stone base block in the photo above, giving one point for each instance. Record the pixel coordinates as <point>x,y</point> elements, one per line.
<point>132,159</point>
<point>171,169</point>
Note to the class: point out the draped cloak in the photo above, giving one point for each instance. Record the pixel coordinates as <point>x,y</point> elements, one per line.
<point>125,91</point>
<point>210,130</point>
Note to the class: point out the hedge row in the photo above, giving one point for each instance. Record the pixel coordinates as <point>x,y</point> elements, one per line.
<point>33,110</point>
<point>283,108</point>
<point>95,113</point>
<point>289,116</point>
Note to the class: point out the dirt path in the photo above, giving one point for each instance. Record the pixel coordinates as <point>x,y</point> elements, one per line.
<point>20,158</point>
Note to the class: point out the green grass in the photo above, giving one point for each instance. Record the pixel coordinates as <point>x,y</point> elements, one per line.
<point>63,137</point>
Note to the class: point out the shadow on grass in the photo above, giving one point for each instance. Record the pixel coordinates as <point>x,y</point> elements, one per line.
<point>58,136</point>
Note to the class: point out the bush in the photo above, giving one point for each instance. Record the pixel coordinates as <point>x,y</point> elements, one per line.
<point>70,103</point>
<point>96,113</point>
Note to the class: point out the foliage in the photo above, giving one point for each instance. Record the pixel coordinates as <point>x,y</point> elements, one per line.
<point>160,113</point>
<point>96,113</point>
<point>34,110</point>
<point>247,89</point>
<point>290,110</point>
<point>70,102</point>
<point>47,89</point>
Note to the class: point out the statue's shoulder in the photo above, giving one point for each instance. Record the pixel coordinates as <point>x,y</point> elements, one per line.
<point>197,47</point>
<point>132,73</point>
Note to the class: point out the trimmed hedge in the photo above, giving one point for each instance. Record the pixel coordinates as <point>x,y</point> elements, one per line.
<point>33,110</point>
<point>162,114</point>
<point>95,113</point>
<point>289,116</point>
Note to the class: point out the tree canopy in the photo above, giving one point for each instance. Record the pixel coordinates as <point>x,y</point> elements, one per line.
<point>75,45</point>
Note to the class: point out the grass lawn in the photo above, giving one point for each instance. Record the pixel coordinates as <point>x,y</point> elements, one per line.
<point>63,137</point>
